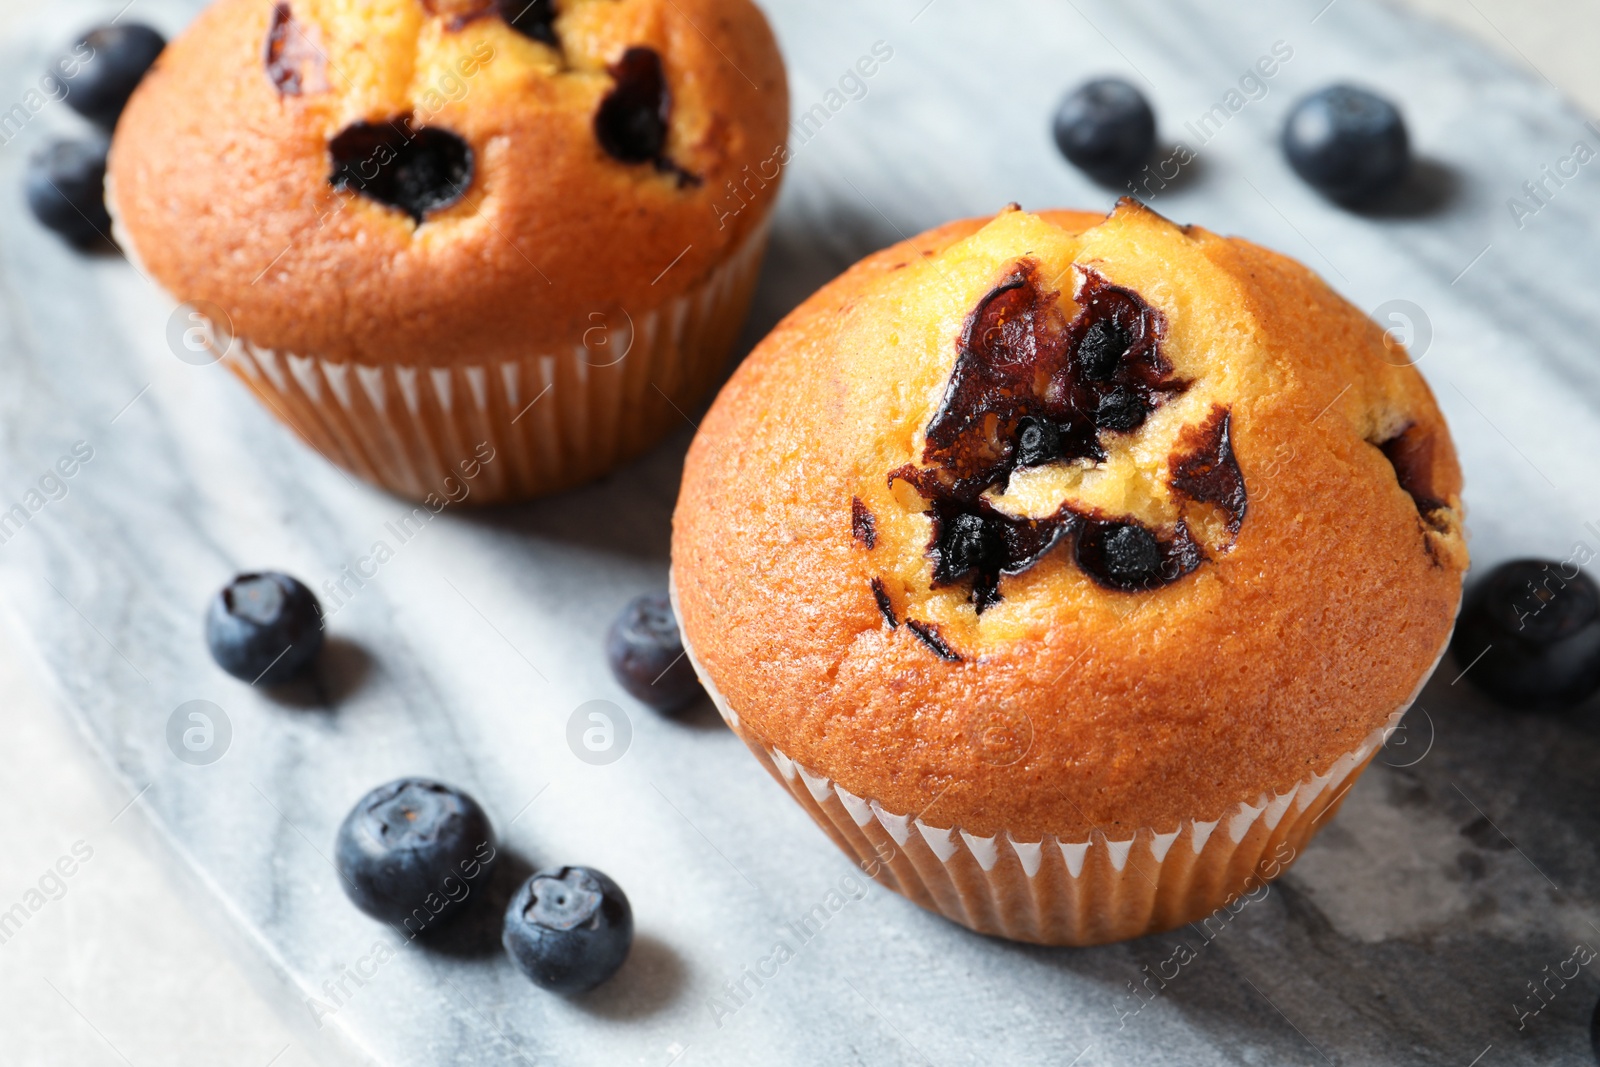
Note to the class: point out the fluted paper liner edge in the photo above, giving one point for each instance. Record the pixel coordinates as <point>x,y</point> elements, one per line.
<point>551,419</point>
<point>1054,892</point>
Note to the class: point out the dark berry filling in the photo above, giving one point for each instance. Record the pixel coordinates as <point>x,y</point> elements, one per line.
<point>291,61</point>
<point>535,19</point>
<point>1103,345</point>
<point>1119,410</point>
<point>965,542</point>
<point>419,171</point>
<point>1128,553</point>
<point>862,525</point>
<point>1030,388</point>
<point>978,542</point>
<point>1129,557</point>
<point>1208,472</point>
<point>885,605</point>
<point>1038,441</point>
<point>929,635</point>
<point>633,119</point>
<point>1021,369</point>
<point>1410,453</point>
<point>1004,373</point>
<point>1115,341</point>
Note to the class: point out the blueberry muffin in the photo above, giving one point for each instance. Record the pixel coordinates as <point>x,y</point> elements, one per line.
<point>1089,563</point>
<point>494,240</point>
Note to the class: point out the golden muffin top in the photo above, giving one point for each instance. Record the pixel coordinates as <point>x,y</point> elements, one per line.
<point>1158,504</point>
<point>437,180</point>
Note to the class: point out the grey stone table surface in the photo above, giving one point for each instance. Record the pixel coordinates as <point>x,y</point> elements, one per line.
<point>1462,869</point>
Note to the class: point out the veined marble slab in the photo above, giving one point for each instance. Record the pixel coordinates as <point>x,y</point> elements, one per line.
<point>1461,873</point>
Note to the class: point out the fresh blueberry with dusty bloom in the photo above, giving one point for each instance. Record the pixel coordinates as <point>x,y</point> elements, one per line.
<point>65,188</point>
<point>264,628</point>
<point>1106,129</point>
<point>1529,634</point>
<point>645,650</point>
<point>414,852</point>
<point>1348,143</point>
<point>118,56</point>
<point>568,929</point>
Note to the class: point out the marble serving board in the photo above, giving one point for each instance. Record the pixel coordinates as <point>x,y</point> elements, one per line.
<point>1461,871</point>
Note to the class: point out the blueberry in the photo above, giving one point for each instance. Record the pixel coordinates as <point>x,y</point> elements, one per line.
<point>418,170</point>
<point>1101,350</point>
<point>264,628</point>
<point>1347,143</point>
<point>645,650</point>
<point>1124,556</point>
<point>118,57</point>
<point>1120,410</point>
<point>531,18</point>
<point>1540,624</point>
<point>1132,553</point>
<point>1105,128</point>
<point>1038,441</point>
<point>568,930</point>
<point>631,124</point>
<point>65,186</point>
<point>966,543</point>
<point>411,852</point>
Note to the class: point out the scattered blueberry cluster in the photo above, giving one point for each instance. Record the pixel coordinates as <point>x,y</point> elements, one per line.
<point>1347,143</point>
<point>266,628</point>
<point>413,852</point>
<point>65,181</point>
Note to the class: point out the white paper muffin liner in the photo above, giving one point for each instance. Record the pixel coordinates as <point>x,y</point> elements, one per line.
<point>1070,892</point>
<point>553,418</point>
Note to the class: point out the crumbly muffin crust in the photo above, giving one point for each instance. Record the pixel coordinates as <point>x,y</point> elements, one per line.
<point>808,545</point>
<point>221,164</point>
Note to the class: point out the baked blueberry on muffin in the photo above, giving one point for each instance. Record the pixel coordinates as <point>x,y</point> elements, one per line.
<point>434,231</point>
<point>1091,560</point>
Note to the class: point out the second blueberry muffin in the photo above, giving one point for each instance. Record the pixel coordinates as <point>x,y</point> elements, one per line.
<point>448,236</point>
